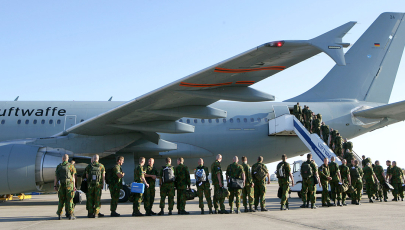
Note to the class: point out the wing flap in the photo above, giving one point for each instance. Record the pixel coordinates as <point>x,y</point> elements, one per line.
<point>394,111</point>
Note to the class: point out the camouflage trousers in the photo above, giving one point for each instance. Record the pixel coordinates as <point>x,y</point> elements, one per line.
<point>137,202</point>
<point>285,188</point>
<point>202,190</point>
<point>370,189</point>
<point>316,130</point>
<point>307,125</point>
<point>65,194</point>
<point>308,190</point>
<point>325,139</point>
<point>218,201</point>
<point>167,189</point>
<point>248,195</point>
<point>234,194</point>
<point>181,199</point>
<point>149,198</point>
<point>298,116</point>
<point>398,191</point>
<point>334,191</point>
<point>325,192</point>
<point>358,188</point>
<point>338,151</point>
<point>115,195</point>
<point>93,203</point>
<point>260,192</point>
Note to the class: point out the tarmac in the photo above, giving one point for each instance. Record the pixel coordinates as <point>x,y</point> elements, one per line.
<point>39,213</point>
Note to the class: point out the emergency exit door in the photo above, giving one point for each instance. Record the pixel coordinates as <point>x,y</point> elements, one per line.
<point>70,120</point>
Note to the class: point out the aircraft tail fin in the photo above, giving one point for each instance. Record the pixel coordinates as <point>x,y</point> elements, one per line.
<point>371,65</point>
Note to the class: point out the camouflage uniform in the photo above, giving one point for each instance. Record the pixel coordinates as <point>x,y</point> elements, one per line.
<point>66,189</point>
<point>115,186</point>
<point>334,169</point>
<point>323,176</point>
<point>316,126</point>
<point>369,179</point>
<point>332,137</point>
<point>215,170</point>
<point>365,161</point>
<point>297,112</point>
<point>378,170</point>
<point>338,145</point>
<point>149,195</point>
<point>284,182</point>
<point>182,182</point>
<point>234,170</point>
<point>167,189</point>
<point>304,112</point>
<point>308,121</point>
<point>248,191</point>
<point>139,172</point>
<point>347,145</point>
<point>344,172</point>
<point>308,185</point>
<point>357,183</point>
<point>94,189</point>
<point>260,186</point>
<point>204,188</point>
<point>325,133</point>
<point>396,180</point>
<point>348,156</point>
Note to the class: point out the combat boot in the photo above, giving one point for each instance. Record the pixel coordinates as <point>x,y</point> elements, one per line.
<point>170,212</point>
<point>90,215</point>
<point>380,199</point>
<point>114,214</point>
<point>264,209</point>
<point>152,212</point>
<point>210,212</point>
<point>385,200</point>
<point>303,205</point>
<point>224,212</point>
<point>339,204</point>
<point>370,200</point>
<point>161,213</point>
<point>313,206</point>
<point>231,211</point>
<point>395,199</point>
<point>402,199</point>
<point>307,206</point>
<point>255,208</point>
<point>238,211</point>
<point>324,205</point>
<point>59,218</point>
<point>184,212</point>
<point>358,203</point>
<point>250,208</point>
<point>148,213</point>
<point>246,210</point>
<point>216,211</point>
<point>100,215</point>
<point>286,206</point>
<point>95,215</point>
<point>282,207</point>
<point>202,211</point>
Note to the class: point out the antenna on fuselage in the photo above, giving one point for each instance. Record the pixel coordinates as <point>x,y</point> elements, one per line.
<point>110,98</point>
<point>16,99</point>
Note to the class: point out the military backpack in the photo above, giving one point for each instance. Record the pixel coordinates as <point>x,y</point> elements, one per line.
<point>168,174</point>
<point>306,170</point>
<point>260,172</point>
<point>281,170</point>
<point>63,173</point>
<point>200,175</point>
<point>95,177</point>
<point>109,175</point>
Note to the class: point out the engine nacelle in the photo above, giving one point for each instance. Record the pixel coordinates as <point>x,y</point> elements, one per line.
<point>27,168</point>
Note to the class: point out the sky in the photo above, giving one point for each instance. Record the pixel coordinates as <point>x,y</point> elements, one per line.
<point>92,50</point>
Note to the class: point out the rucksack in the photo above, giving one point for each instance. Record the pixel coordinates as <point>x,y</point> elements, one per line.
<point>95,176</point>
<point>281,170</point>
<point>109,175</point>
<point>168,174</point>
<point>260,172</point>
<point>306,170</point>
<point>64,173</point>
<point>200,175</point>
<point>354,173</point>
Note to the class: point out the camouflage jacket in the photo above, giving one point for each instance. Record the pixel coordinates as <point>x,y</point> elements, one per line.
<point>101,167</point>
<point>215,170</point>
<point>139,172</point>
<point>333,135</point>
<point>325,130</point>
<point>360,173</point>
<point>151,171</point>
<point>348,156</point>
<point>248,174</point>
<point>297,109</point>
<point>397,175</point>
<point>254,166</point>
<point>389,170</point>
<point>378,170</point>
<point>182,176</point>
<point>338,141</point>
<point>344,172</point>
<point>234,170</point>
<point>316,123</point>
<point>304,112</point>
<point>309,115</point>
<point>161,173</point>
<point>286,178</point>
<point>116,182</point>
<point>334,169</point>
<point>324,173</point>
<point>368,174</point>
<point>71,168</point>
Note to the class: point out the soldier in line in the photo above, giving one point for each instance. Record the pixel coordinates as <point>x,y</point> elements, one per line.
<point>370,180</point>
<point>183,181</point>
<point>248,190</point>
<point>333,134</point>
<point>356,174</point>
<point>166,187</point>
<point>235,171</point>
<point>149,196</point>
<point>336,178</point>
<point>284,174</point>
<point>217,180</point>
<point>379,172</point>
<point>64,184</point>
<point>325,132</point>
<point>396,178</point>
<point>85,179</point>
<point>74,205</point>
<point>304,111</point>
<point>139,177</point>
<point>348,156</point>
<point>324,175</point>
<point>308,121</point>
<point>259,174</point>
<point>365,161</point>
<point>347,145</point>
<point>316,125</point>
<point>337,146</point>
<point>203,186</point>
<point>116,185</point>
<point>309,173</point>
<point>95,175</point>
<point>345,175</point>
<point>389,167</point>
<point>297,111</point>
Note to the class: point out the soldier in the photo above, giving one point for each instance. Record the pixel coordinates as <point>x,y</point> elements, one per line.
<point>389,167</point>
<point>364,161</point>
<point>370,179</point>
<point>72,162</point>
<point>345,175</point>
<point>308,120</point>
<point>348,156</point>
<point>167,186</point>
<point>284,174</point>
<point>347,145</point>
<point>304,112</point>
<point>324,175</point>
<point>325,132</point>
<point>309,173</point>
<point>85,179</point>
<point>217,180</point>
<point>203,186</point>
<point>333,134</point>
<point>116,185</point>
<point>316,125</point>
<point>298,111</point>
<point>338,145</point>
<point>235,171</point>
<point>259,174</point>
<point>182,182</point>
<point>396,178</point>
<point>64,177</point>
<point>95,175</point>
<point>379,172</point>
<point>356,175</point>
<point>139,177</point>
<point>149,196</point>
<point>248,190</point>
<point>336,179</point>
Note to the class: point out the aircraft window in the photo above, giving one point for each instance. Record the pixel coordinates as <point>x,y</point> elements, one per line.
<point>245,120</point>
<point>209,121</point>
<point>42,121</point>
<point>195,121</point>
<point>231,120</point>
<point>2,122</point>
<point>188,121</point>
<point>51,122</point>
<point>19,122</point>
<point>27,122</point>
<point>34,122</point>
<point>217,120</point>
<point>224,120</point>
<point>81,120</point>
<point>252,120</point>
<point>258,119</point>
<point>202,121</point>
<point>238,120</point>
<point>58,122</point>
<point>181,120</point>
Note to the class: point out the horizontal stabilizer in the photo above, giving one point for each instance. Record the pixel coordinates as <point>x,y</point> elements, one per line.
<point>394,111</point>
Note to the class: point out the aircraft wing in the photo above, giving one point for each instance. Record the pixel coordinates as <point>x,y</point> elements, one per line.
<point>394,111</point>
<point>158,110</point>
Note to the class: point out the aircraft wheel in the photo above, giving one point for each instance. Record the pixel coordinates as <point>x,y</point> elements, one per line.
<point>124,194</point>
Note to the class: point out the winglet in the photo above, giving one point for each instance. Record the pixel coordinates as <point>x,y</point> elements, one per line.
<point>331,42</point>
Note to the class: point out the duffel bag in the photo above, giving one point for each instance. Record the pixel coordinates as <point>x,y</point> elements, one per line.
<point>235,183</point>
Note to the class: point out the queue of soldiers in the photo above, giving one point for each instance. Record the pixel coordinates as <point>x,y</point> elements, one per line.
<point>243,180</point>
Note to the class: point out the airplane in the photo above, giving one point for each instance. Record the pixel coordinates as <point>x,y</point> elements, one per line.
<point>188,118</point>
